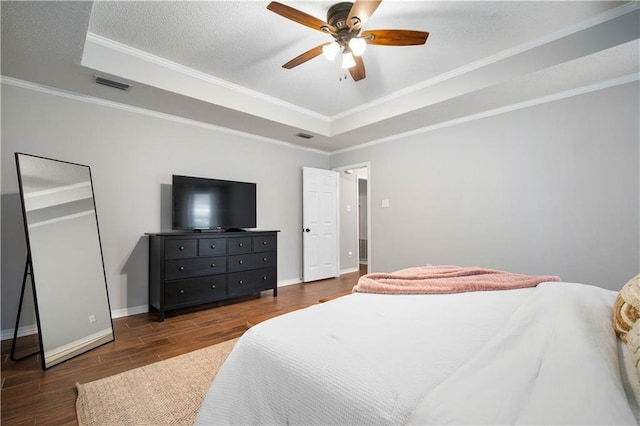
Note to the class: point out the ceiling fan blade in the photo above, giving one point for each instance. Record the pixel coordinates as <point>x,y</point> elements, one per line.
<point>361,9</point>
<point>357,72</point>
<point>396,37</point>
<point>299,16</point>
<point>301,59</point>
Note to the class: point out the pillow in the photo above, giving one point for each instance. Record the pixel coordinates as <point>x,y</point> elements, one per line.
<point>626,309</point>
<point>633,343</point>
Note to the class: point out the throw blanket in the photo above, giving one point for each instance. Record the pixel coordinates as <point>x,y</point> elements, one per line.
<point>446,279</point>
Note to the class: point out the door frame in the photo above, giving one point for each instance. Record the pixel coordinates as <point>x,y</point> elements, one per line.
<point>366,165</point>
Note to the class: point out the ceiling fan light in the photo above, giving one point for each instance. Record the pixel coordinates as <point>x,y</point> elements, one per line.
<point>347,60</point>
<point>331,50</point>
<point>357,45</point>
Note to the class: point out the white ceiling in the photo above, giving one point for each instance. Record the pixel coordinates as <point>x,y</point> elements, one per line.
<point>219,62</point>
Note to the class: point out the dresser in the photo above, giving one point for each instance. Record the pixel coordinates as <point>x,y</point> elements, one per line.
<point>189,269</point>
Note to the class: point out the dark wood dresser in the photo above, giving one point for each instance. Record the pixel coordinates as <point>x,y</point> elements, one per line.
<point>193,268</point>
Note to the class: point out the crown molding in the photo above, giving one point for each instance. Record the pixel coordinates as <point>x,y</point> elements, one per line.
<point>155,114</point>
<point>502,110</point>
<point>204,77</point>
<point>500,56</point>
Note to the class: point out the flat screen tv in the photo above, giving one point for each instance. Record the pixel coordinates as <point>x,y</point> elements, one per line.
<point>201,203</point>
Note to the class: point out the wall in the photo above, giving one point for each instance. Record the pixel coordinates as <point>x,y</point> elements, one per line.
<point>132,157</point>
<point>548,189</point>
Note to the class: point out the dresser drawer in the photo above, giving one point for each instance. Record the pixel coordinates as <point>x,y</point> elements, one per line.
<point>250,281</point>
<point>239,245</point>
<point>176,249</point>
<point>200,290</point>
<point>242,262</point>
<point>194,267</point>
<point>212,246</point>
<point>264,243</point>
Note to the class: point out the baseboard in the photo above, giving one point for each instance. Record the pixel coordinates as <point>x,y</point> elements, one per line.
<point>118,313</point>
<point>350,270</point>
<point>22,331</point>
<point>289,282</point>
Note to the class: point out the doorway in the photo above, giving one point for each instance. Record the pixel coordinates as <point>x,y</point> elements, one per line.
<point>354,218</point>
<point>363,224</point>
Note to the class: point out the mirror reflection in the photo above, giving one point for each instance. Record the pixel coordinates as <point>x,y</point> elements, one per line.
<point>67,268</point>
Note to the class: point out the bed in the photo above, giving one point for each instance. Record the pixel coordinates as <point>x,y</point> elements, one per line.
<point>542,354</point>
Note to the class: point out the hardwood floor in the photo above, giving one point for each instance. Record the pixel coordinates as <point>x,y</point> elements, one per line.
<point>33,396</point>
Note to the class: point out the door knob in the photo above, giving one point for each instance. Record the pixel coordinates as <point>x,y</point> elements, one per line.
<point>307,230</point>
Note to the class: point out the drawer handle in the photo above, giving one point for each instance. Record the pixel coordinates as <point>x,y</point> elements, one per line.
<point>264,243</point>
<point>181,248</point>
<point>240,282</point>
<point>213,265</point>
<point>181,268</point>
<point>240,245</point>
<point>213,286</point>
<point>213,246</point>
<point>264,259</point>
<point>264,278</point>
<point>181,291</point>
<point>240,262</point>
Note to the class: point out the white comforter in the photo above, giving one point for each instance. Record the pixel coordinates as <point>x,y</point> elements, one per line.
<point>543,355</point>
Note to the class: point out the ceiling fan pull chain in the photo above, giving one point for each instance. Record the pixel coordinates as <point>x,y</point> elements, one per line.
<point>342,75</point>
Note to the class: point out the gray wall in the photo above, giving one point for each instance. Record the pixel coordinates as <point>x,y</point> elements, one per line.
<point>549,189</point>
<point>552,188</point>
<point>132,157</point>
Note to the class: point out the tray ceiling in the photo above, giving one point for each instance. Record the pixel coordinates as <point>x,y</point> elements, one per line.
<point>219,62</point>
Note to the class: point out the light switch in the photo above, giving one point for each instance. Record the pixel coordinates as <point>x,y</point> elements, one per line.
<point>385,204</point>
<point>348,207</point>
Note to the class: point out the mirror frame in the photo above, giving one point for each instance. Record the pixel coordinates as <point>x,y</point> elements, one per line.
<point>87,342</point>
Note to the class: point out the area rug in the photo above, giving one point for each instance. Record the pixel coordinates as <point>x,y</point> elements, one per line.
<point>167,392</point>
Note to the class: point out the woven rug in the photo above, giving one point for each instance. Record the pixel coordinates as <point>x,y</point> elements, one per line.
<point>167,392</point>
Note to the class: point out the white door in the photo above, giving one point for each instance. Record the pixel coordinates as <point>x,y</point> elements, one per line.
<point>319,224</point>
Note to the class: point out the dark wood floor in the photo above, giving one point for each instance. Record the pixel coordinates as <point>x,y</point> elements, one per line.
<point>33,396</point>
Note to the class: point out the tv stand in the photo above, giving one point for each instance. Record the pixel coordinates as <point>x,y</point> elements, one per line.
<point>189,268</point>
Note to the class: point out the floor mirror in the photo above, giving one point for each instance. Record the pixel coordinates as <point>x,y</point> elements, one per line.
<point>64,258</point>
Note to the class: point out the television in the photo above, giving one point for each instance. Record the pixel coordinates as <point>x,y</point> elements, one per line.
<point>202,203</point>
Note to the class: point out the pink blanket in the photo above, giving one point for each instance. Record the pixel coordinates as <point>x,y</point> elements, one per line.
<point>446,279</point>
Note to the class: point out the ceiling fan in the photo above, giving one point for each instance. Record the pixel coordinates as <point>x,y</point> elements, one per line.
<point>344,24</point>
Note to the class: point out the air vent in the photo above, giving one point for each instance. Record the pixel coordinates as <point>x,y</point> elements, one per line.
<point>111,83</point>
<point>304,135</point>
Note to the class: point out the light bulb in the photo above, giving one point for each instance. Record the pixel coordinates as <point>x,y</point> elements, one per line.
<point>357,45</point>
<point>347,60</point>
<point>331,50</point>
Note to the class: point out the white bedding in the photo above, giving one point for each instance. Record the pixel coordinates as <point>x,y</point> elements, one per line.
<point>544,355</point>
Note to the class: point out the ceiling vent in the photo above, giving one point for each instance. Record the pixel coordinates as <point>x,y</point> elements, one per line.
<point>111,83</point>
<point>304,135</point>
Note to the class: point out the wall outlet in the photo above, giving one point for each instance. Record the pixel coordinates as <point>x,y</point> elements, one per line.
<point>385,204</point>
<point>92,318</point>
